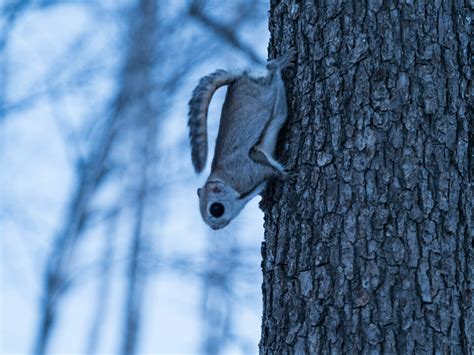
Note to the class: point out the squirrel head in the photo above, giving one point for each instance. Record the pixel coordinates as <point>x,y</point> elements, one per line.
<point>219,203</point>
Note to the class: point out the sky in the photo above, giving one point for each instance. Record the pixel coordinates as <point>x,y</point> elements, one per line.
<point>43,60</point>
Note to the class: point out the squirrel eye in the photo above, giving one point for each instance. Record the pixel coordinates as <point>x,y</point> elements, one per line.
<point>216,209</point>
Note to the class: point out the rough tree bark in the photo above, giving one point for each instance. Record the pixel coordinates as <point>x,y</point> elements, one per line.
<point>370,248</point>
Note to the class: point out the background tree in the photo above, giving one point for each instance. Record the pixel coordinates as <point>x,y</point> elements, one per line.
<point>98,221</point>
<point>371,247</point>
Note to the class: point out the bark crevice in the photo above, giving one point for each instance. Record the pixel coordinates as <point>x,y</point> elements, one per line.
<point>370,247</point>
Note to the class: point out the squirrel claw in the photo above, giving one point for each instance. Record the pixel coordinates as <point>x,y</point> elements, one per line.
<point>287,175</point>
<point>285,61</point>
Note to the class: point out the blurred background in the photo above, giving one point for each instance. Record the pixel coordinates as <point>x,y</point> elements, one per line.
<point>103,249</point>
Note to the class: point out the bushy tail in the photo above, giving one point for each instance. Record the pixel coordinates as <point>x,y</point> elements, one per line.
<point>197,116</point>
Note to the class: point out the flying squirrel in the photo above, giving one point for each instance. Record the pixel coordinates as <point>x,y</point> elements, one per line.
<point>253,113</point>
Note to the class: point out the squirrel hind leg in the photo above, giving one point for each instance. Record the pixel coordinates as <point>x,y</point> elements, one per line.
<point>262,157</point>
<point>263,152</point>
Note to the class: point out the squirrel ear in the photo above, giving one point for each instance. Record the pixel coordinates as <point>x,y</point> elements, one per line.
<point>215,187</point>
<point>199,192</point>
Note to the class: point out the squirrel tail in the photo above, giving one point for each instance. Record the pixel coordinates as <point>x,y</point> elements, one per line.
<point>197,116</point>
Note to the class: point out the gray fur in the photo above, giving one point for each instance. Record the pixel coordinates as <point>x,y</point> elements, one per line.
<point>197,117</point>
<point>253,113</point>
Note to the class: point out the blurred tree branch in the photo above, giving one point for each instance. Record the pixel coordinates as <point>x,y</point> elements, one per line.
<point>91,172</point>
<point>103,289</point>
<point>143,47</point>
<point>227,33</point>
<point>217,311</point>
<point>10,13</point>
<point>154,69</point>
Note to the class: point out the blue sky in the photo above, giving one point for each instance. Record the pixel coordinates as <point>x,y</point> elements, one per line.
<point>38,146</point>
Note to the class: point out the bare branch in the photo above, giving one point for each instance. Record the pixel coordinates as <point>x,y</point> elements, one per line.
<point>225,32</point>
<point>103,289</point>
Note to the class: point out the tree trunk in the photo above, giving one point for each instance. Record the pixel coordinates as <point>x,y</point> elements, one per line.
<point>370,247</point>
<point>143,142</point>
